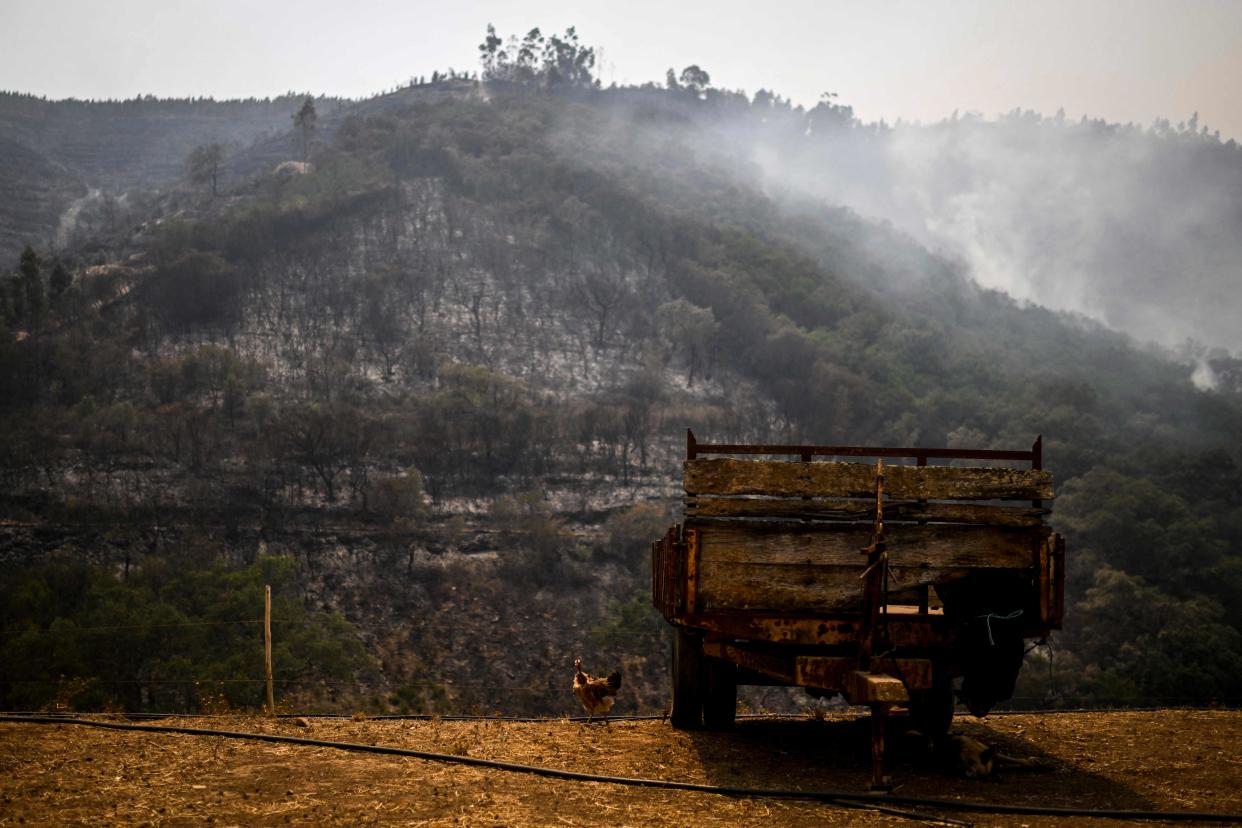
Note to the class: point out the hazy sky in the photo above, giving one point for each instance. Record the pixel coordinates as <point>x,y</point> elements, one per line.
<point>1122,60</point>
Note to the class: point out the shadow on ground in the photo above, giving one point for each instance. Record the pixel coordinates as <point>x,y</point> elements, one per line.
<point>834,754</point>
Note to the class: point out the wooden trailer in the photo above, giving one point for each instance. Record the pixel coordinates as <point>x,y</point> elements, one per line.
<point>894,578</point>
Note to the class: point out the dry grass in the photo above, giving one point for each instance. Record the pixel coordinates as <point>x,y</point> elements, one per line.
<point>74,775</point>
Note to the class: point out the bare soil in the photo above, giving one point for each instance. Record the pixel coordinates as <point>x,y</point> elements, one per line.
<point>70,774</point>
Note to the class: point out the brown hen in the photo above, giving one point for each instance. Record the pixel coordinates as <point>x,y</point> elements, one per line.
<point>596,694</point>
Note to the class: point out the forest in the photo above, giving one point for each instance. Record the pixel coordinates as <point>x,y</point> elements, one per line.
<point>429,376</point>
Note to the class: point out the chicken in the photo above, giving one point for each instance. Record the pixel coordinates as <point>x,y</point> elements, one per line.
<point>596,694</point>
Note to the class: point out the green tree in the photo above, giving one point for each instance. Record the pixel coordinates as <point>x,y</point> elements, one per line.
<point>82,637</point>
<point>1136,526</point>
<point>1140,644</point>
<point>491,55</point>
<point>60,280</point>
<point>401,508</point>
<point>690,329</point>
<point>526,65</point>
<point>204,166</point>
<point>695,79</point>
<point>568,63</point>
<point>334,440</point>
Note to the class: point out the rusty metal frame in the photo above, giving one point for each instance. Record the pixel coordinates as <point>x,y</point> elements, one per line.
<point>824,672</point>
<point>908,629</point>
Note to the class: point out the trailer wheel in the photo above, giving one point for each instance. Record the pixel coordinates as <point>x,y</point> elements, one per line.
<point>931,710</point>
<point>720,693</point>
<point>687,711</point>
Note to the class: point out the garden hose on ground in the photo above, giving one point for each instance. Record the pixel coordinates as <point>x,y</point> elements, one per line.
<point>846,799</point>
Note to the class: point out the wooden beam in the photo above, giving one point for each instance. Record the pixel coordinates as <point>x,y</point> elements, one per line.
<point>910,546</point>
<point>708,507</point>
<point>691,544</point>
<point>869,688</point>
<point>778,478</point>
<point>267,647</point>
<point>777,588</point>
<point>791,588</point>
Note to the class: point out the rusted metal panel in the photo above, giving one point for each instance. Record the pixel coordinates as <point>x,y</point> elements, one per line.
<point>775,666</point>
<point>836,673</point>
<point>906,628</point>
<point>706,507</point>
<point>824,672</point>
<point>777,478</point>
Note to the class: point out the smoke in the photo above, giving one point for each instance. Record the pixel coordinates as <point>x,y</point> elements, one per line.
<point>1140,229</point>
<point>68,221</point>
<point>1137,228</point>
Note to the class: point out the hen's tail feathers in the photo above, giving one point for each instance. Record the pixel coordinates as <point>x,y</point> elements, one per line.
<point>614,679</point>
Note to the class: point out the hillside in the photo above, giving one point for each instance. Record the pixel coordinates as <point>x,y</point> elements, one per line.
<point>53,152</point>
<point>434,388</point>
<point>34,194</point>
<point>1117,761</point>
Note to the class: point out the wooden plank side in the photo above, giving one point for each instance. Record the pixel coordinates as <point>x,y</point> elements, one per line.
<point>909,546</point>
<point>794,588</point>
<point>764,587</point>
<point>708,507</point>
<point>782,478</point>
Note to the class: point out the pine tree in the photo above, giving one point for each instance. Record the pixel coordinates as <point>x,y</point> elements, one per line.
<point>304,119</point>
<point>60,280</point>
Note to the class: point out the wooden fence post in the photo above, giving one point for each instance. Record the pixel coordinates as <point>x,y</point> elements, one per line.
<point>267,640</point>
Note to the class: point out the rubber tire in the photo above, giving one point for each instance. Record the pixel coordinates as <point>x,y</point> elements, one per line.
<point>720,694</point>
<point>688,668</point>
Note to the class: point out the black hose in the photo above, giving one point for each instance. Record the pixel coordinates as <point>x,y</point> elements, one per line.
<point>849,799</point>
<point>378,717</point>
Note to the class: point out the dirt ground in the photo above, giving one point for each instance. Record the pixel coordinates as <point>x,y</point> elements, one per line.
<point>74,775</point>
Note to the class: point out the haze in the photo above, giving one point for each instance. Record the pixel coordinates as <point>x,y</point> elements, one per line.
<point>1121,61</point>
<point>1053,217</point>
